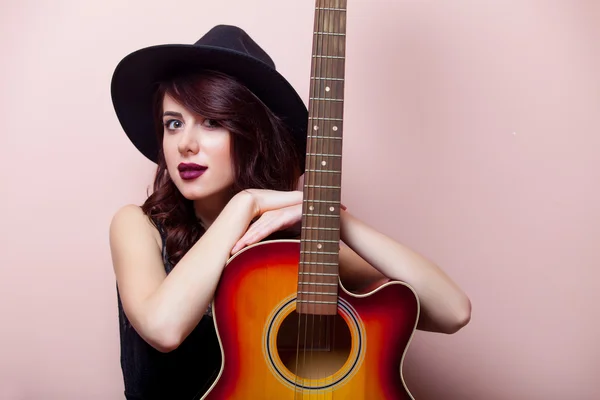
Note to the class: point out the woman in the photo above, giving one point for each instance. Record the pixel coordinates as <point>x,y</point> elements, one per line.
<point>230,149</point>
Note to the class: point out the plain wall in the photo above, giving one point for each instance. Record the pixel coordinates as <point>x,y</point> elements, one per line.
<point>472,133</point>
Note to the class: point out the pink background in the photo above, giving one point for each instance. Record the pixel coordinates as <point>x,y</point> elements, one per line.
<point>479,118</point>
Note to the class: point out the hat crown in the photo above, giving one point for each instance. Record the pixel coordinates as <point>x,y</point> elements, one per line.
<point>234,38</point>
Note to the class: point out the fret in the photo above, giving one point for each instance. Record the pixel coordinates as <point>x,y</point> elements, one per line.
<point>318,283</point>
<point>319,293</point>
<point>323,264</point>
<point>322,240</point>
<point>326,119</point>
<point>317,273</point>
<point>330,33</point>
<point>322,190</point>
<point>320,201</point>
<point>330,9</point>
<point>324,99</point>
<point>323,186</point>
<point>319,252</point>
<point>326,78</point>
<point>322,215</point>
<point>324,137</point>
<point>323,155</point>
<point>324,209</point>
<point>317,263</point>
<point>316,301</point>
<point>331,57</point>
<point>335,166</point>
<point>325,171</point>
<point>320,228</point>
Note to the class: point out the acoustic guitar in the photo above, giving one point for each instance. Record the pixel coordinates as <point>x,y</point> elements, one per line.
<point>287,327</point>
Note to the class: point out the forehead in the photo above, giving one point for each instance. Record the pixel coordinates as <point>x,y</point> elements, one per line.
<point>169,104</point>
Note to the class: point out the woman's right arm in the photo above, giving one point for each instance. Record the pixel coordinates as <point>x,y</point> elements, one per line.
<point>163,308</point>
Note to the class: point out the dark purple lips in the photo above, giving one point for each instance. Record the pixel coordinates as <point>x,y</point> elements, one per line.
<point>190,171</point>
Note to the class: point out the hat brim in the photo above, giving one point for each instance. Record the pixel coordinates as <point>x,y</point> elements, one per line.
<point>135,77</point>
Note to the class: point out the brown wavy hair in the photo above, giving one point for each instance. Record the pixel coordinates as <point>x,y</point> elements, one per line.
<point>263,151</point>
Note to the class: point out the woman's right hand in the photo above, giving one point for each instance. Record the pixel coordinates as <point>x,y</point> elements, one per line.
<point>271,211</point>
<point>263,200</point>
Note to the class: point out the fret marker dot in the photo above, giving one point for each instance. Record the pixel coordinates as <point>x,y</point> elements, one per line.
<point>327,89</point>
<point>323,162</point>
<point>316,128</point>
<point>311,208</point>
<point>331,208</point>
<point>319,246</point>
<point>335,128</point>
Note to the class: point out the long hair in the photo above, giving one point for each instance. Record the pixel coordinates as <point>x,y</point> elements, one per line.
<point>263,151</point>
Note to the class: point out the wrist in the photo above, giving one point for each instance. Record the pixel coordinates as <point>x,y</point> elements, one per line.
<point>244,203</point>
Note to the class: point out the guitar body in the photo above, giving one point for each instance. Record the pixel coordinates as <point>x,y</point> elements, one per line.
<point>356,354</point>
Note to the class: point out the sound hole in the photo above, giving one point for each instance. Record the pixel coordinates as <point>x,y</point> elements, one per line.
<point>313,346</point>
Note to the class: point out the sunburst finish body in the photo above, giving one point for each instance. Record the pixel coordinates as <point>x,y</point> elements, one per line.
<point>258,291</point>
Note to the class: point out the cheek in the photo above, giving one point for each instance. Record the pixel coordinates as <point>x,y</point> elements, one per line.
<point>223,151</point>
<point>170,154</point>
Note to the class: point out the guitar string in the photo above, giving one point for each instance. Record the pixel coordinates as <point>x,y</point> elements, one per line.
<point>338,143</point>
<point>305,306</point>
<point>323,192</point>
<point>325,50</point>
<point>331,143</point>
<point>306,233</point>
<point>318,305</point>
<point>322,124</point>
<point>329,83</point>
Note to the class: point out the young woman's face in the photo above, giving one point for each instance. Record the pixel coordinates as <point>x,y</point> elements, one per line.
<point>197,153</point>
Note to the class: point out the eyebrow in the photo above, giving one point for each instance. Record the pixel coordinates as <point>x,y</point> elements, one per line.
<point>172,114</point>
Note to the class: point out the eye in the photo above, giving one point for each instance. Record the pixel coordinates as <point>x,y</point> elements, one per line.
<point>173,124</point>
<point>211,123</point>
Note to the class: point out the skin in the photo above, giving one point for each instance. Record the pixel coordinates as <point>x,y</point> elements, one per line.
<point>164,309</point>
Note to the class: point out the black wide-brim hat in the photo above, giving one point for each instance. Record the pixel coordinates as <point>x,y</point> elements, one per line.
<point>227,49</point>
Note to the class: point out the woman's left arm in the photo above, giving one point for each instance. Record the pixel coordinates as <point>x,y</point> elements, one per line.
<point>373,256</point>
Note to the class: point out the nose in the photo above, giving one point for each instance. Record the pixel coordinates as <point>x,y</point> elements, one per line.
<point>188,143</point>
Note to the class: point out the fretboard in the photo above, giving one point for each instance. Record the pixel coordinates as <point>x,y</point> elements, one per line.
<point>318,273</point>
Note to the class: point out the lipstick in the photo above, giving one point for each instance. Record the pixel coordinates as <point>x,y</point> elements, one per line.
<point>189,171</point>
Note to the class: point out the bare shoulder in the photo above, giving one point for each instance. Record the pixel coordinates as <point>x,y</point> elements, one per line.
<point>135,246</point>
<point>131,220</point>
<point>127,214</point>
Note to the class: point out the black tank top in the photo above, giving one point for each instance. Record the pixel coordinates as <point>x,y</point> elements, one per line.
<point>185,373</point>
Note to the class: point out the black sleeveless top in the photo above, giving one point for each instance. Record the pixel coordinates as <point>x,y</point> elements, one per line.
<point>185,373</point>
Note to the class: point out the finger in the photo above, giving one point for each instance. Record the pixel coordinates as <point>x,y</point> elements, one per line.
<point>268,223</point>
<point>254,233</point>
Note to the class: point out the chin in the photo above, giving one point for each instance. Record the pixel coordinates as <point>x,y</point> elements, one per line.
<point>191,194</point>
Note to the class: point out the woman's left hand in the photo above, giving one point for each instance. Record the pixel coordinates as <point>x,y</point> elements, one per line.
<point>270,222</point>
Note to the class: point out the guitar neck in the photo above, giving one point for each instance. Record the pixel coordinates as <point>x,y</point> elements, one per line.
<point>318,278</point>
